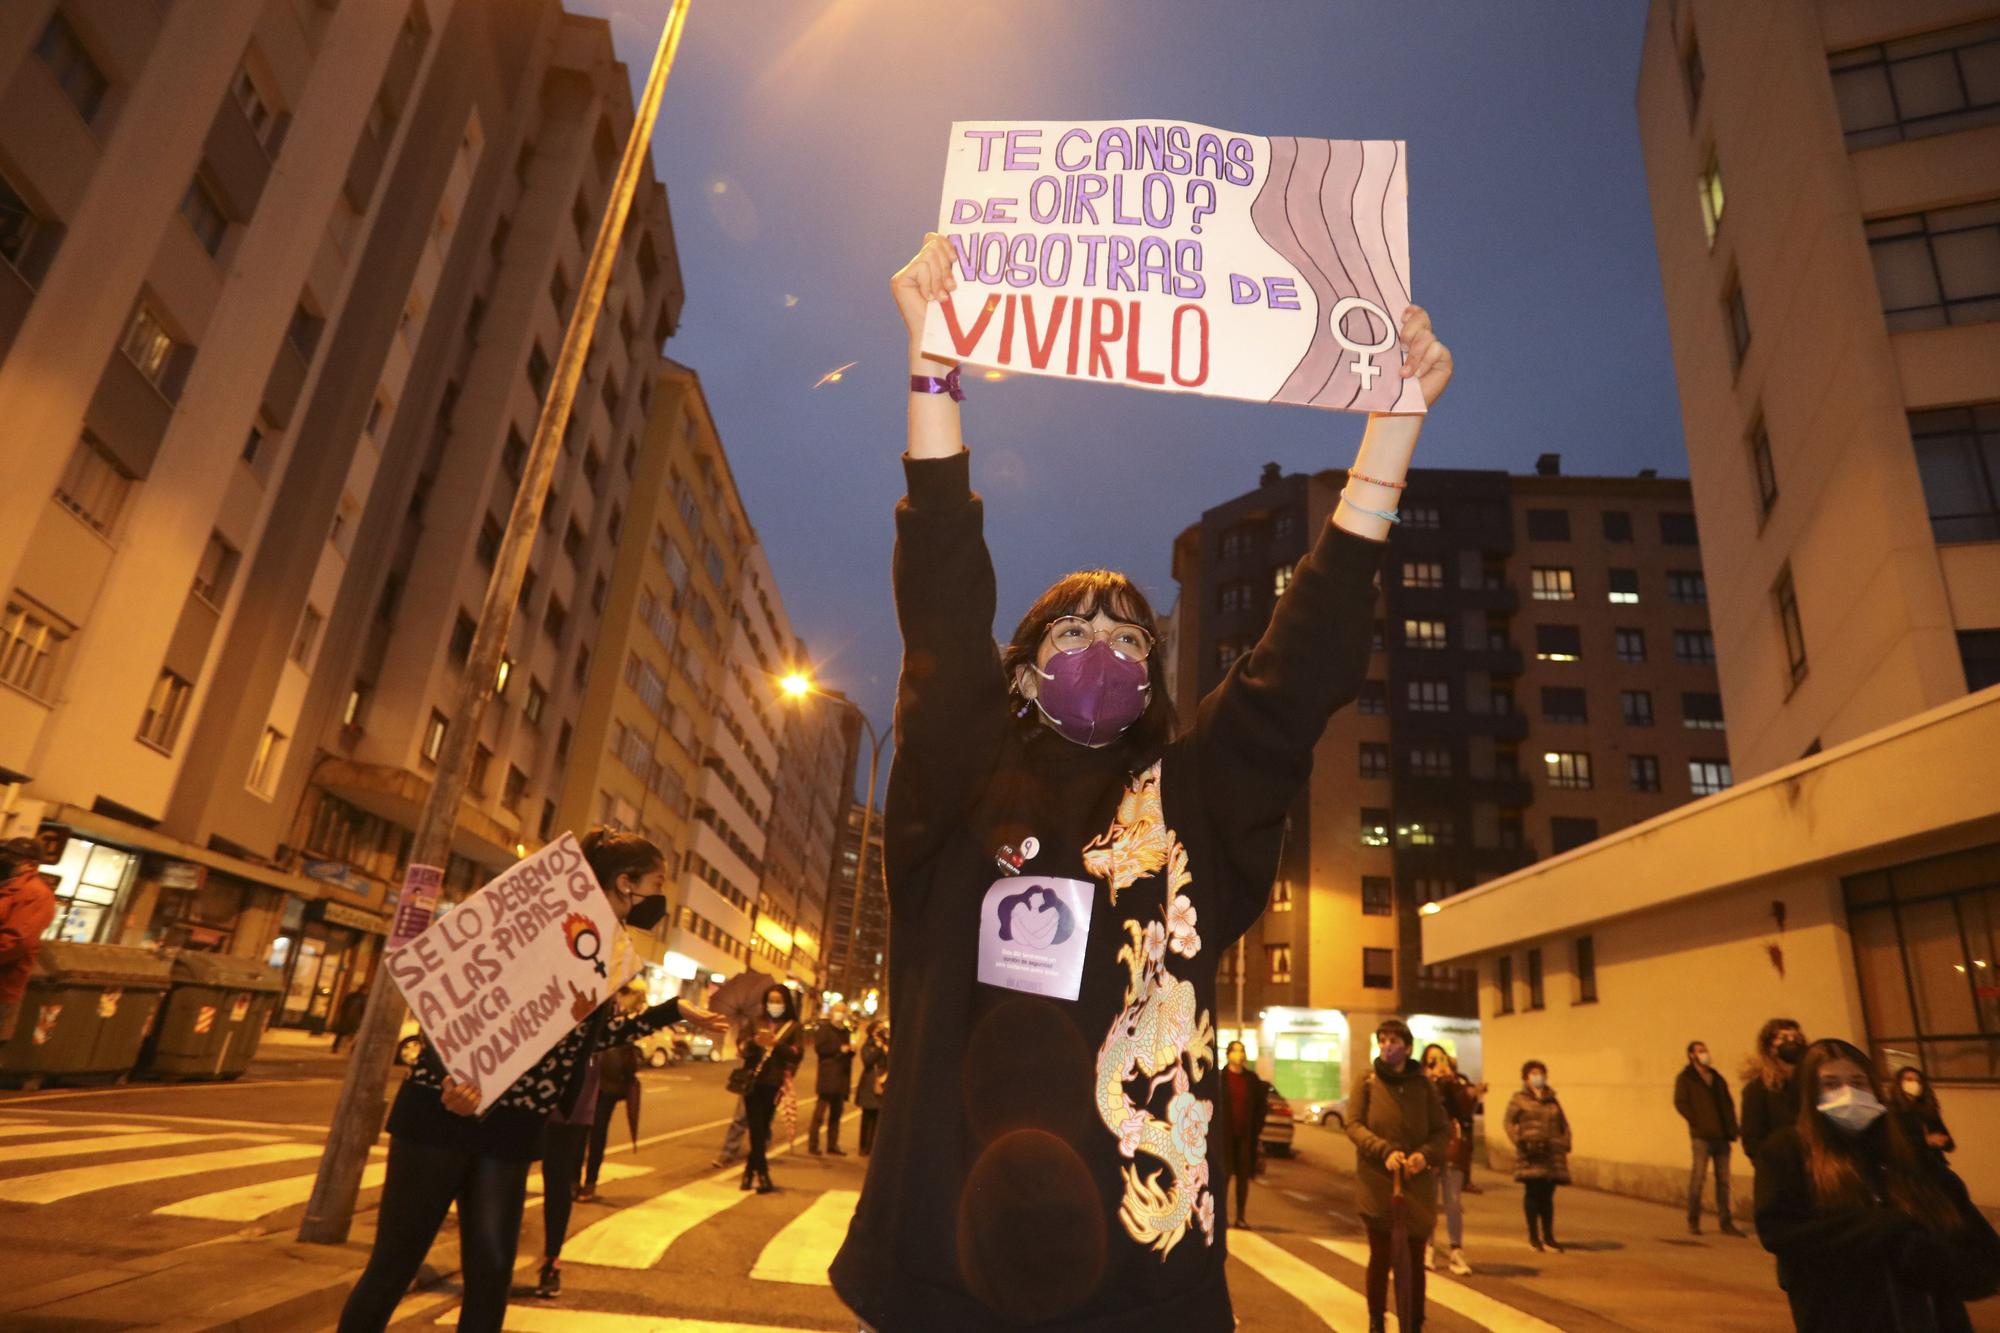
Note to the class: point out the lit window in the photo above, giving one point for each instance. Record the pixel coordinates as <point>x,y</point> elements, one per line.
<point>165,707</point>
<point>1281,895</point>
<point>1374,828</point>
<point>1279,957</point>
<point>1423,574</point>
<point>1424,634</point>
<point>1625,586</point>
<point>1708,776</point>
<point>1281,579</point>
<point>147,343</point>
<point>270,759</point>
<point>1558,643</point>
<point>1711,197</point>
<point>1568,769</point>
<point>1553,584</point>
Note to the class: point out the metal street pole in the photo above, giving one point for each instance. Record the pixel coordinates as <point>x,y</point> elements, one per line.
<point>861,859</point>
<point>357,1118</point>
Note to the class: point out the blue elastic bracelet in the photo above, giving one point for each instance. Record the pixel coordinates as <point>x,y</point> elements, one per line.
<point>1387,515</point>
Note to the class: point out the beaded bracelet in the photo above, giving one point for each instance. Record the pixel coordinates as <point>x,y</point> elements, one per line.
<point>1376,481</point>
<point>1387,515</point>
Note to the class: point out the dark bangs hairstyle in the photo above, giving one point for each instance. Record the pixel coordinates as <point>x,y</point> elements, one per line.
<point>1085,593</point>
<point>1831,1156</point>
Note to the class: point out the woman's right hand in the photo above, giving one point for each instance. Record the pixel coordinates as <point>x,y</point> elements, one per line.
<point>460,1098</point>
<point>762,1037</point>
<point>926,278</point>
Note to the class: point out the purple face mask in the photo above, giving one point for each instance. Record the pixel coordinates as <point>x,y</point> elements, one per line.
<point>1092,696</point>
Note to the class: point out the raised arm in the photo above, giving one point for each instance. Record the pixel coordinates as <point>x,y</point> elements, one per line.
<point>1254,733</point>
<point>951,698</point>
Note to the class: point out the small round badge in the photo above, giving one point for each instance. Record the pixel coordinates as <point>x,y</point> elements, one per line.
<point>1029,846</point>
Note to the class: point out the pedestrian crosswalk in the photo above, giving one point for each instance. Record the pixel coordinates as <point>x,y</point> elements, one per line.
<point>243,1177</point>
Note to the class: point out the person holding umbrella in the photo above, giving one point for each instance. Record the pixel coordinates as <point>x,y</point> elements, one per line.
<point>740,1000</point>
<point>1401,1132</point>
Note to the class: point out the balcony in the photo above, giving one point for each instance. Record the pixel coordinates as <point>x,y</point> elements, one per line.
<point>236,161</point>
<point>128,414</point>
<point>1495,661</point>
<point>288,380</point>
<point>1504,600</point>
<point>1507,793</point>
<point>1500,726</point>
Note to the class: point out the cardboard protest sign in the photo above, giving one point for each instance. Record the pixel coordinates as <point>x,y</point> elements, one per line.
<point>1167,255</point>
<point>502,977</point>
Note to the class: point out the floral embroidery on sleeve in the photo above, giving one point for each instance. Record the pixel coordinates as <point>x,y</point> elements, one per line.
<point>1159,1039</point>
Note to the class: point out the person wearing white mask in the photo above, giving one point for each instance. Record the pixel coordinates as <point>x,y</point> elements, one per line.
<point>1915,1098</point>
<point>772,1047</point>
<point>1539,1131</point>
<point>1702,1097</point>
<point>1871,1232</point>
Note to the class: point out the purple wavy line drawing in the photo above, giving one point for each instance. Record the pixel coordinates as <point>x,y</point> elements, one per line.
<point>1352,233</point>
<point>1322,166</point>
<point>1267,214</point>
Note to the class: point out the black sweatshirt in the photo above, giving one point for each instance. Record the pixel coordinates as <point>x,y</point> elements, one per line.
<point>1055,1163</point>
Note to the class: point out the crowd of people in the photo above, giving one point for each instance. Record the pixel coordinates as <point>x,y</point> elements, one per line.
<point>1854,1192</point>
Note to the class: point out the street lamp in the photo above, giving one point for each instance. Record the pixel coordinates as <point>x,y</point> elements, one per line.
<point>357,1116</point>
<point>798,685</point>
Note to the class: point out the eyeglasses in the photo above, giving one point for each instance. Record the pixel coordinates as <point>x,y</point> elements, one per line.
<point>1073,634</point>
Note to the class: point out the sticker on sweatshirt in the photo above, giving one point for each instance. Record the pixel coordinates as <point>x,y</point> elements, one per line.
<point>1032,931</point>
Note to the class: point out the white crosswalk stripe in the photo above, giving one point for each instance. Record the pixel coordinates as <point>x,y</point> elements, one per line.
<point>33,1152</point>
<point>803,1251</point>
<point>539,1319</point>
<point>1454,1296</point>
<point>28,1129</point>
<point>638,1236</point>
<point>51,1186</point>
<point>1333,1303</point>
<point>247,1203</point>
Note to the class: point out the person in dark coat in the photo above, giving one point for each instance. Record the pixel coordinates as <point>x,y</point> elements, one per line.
<point>617,1081</point>
<point>772,1048</point>
<point>1065,866</point>
<point>347,1019</point>
<point>874,1081</point>
<point>1398,1124</point>
<point>1539,1130</point>
<point>1770,1098</point>
<point>833,1042</point>
<point>1914,1097</point>
<point>1872,1232</point>
<point>1241,1110</point>
<point>1702,1097</point>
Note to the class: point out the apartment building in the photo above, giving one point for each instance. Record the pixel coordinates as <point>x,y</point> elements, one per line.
<point>1825,180</point>
<point>1541,674</point>
<point>285,284</point>
<point>857,949</point>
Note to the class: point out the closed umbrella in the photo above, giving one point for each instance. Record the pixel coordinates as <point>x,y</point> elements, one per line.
<point>632,1110</point>
<point>1401,1265</point>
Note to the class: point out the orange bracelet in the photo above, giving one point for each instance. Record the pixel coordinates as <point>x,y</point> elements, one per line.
<point>1376,481</point>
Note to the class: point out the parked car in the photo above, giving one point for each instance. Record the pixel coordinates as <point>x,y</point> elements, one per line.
<point>1332,1113</point>
<point>671,1046</point>
<point>1277,1136</point>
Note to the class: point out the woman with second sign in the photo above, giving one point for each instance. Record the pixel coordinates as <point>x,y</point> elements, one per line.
<point>1046,1156</point>
<point>442,1151</point>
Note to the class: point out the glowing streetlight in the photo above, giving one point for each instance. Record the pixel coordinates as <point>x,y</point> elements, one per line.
<point>797,685</point>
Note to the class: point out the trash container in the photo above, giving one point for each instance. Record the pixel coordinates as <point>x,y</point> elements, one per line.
<point>214,1018</point>
<point>86,1012</point>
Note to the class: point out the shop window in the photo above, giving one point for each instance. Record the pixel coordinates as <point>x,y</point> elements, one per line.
<point>91,883</point>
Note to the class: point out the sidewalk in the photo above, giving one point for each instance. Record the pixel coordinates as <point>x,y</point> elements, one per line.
<point>1615,1247</point>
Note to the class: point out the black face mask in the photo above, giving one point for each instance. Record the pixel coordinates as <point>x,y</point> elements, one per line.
<point>648,912</point>
<point>1791,1051</point>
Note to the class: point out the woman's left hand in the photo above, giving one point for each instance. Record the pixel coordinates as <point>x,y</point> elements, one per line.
<point>1427,358</point>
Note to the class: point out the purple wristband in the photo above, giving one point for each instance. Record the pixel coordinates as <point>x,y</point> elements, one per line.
<point>934,384</point>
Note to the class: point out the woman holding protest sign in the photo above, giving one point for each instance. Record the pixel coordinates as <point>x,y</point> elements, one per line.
<point>1064,870</point>
<point>442,1151</point>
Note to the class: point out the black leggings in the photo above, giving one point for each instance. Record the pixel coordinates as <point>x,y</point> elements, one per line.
<point>420,1187</point>
<point>563,1148</point>
<point>869,1115</point>
<point>761,1102</point>
<point>600,1135</point>
<point>1539,1203</point>
<point>1242,1166</point>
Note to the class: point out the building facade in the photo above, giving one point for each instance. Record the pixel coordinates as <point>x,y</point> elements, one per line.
<point>1823,178</point>
<point>285,284</point>
<point>857,947</point>
<point>1825,182</point>
<point>1541,674</point>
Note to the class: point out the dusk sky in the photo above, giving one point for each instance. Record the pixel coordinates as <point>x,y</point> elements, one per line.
<point>803,147</point>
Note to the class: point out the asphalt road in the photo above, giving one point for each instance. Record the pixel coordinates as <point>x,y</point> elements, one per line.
<point>99,1184</point>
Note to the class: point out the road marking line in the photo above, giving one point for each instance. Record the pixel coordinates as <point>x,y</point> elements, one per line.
<point>1328,1300</point>
<point>652,1139</point>
<point>541,1319</point>
<point>187,1119</point>
<point>21,1131</point>
<point>21,1152</point>
<point>804,1249</point>
<point>637,1237</point>
<point>64,1093</point>
<point>51,1186</point>
<point>1454,1296</point>
<point>251,1202</point>
<point>1302,1198</point>
<point>609,1171</point>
